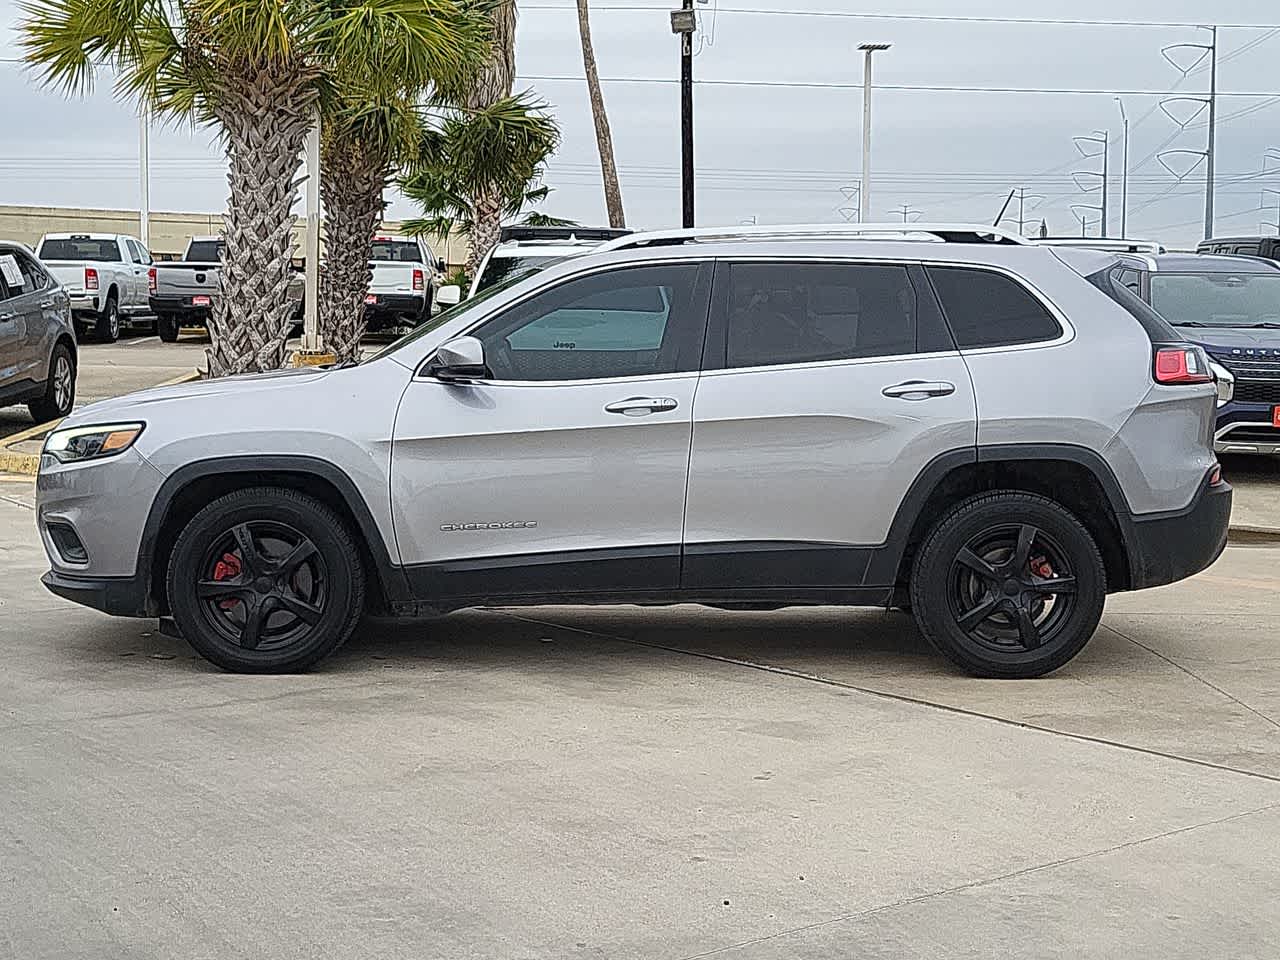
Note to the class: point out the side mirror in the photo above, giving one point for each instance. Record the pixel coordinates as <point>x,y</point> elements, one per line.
<point>449,296</point>
<point>461,358</point>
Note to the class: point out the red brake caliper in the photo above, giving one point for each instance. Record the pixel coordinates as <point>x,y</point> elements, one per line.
<point>1041,568</point>
<point>228,567</point>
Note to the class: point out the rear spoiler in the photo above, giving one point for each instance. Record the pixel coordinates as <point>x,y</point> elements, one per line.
<point>520,232</point>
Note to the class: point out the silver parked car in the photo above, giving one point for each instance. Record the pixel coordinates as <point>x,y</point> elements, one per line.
<point>37,339</point>
<point>937,418</point>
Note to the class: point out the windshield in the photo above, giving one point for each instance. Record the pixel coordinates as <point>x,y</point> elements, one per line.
<point>399,251</point>
<point>80,248</point>
<point>499,268</point>
<point>445,316</point>
<point>1217,299</point>
<point>204,251</point>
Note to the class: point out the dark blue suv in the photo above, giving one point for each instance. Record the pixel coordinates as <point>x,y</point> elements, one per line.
<point>1231,307</point>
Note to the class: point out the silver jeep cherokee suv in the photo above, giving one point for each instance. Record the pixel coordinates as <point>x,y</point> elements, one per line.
<point>989,433</point>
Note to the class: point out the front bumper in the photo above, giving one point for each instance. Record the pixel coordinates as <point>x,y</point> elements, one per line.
<point>1171,547</point>
<point>120,597</point>
<point>1246,428</point>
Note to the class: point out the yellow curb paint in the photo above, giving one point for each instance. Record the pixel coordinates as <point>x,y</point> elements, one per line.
<point>301,359</point>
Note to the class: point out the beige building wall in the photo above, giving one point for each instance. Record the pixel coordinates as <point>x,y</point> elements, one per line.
<point>169,231</point>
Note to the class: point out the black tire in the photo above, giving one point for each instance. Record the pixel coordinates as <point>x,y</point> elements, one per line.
<point>1008,585</point>
<point>167,328</point>
<point>106,329</point>
<point>59,390</point>
<point>283,578</point>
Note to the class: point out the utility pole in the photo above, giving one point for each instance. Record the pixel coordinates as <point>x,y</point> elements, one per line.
<point>684,22</point>
<point>1124,174</point>
<point>1213,122</point>
<point>864,205</point>
<point>144,179</point>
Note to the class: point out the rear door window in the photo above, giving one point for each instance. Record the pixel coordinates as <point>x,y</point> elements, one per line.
<point>989,309</point>
<point>770,314</point>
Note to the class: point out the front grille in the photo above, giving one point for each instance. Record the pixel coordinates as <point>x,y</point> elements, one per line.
<point>1251,434</point>
<point>1258,391</point>
<point>1255,368</point>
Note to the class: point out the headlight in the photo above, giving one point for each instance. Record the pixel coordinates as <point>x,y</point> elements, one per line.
<point>1225,382</point>
<point>89,443</point>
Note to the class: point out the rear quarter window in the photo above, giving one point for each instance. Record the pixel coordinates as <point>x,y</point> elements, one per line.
<point>989,309</point>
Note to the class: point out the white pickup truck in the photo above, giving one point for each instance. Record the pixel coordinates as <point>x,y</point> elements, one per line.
<point>183,291</point>
<point>406,275</point>
<point>109,277</point>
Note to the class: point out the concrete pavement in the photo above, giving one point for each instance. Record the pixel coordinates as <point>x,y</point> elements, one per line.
<point>620,782</point>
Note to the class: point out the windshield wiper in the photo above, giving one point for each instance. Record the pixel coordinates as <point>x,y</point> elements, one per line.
<point>1194,323</point>
<point>1266,325</point>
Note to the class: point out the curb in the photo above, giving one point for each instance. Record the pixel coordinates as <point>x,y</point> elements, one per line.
<point>1249,533</point>
<point>28,464</point>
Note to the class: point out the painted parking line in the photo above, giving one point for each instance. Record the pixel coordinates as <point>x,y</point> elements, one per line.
<point>134,343</point>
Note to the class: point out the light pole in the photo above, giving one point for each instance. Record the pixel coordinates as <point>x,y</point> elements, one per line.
<point>864,203</point>
<point>1213,125</point>
<point>1124,174</point>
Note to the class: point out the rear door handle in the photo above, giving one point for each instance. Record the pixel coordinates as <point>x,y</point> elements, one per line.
<point>5,317</point>
<point>46,304</point>
<point>920,389</point>
<point>642,406</point>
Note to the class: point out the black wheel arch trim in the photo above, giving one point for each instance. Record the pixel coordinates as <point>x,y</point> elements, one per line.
<point>390,575</point>
<point>885,564</point>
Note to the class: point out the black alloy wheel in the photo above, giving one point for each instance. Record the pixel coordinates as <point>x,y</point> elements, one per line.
<point>1011,586</point>
<point>266,580</point>
<point>264,585</point>
<point>1008,584</point>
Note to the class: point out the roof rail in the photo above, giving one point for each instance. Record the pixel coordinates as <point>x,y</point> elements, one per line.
<point>519,231</point>
<point>929,232</point>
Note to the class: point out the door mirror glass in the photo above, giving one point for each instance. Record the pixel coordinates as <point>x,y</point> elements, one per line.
<point>461,358</point>
<point>449,296</point>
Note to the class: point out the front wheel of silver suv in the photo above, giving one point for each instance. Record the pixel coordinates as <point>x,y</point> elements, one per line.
<point>265,580</point>
<point>1008,585</point>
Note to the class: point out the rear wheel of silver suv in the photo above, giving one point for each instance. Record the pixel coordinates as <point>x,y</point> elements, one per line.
<point>1008,585</point>
<point>266,580</point>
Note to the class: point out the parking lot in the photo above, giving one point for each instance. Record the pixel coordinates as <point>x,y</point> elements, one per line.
<point>634,782</point>
<point>641,782</point>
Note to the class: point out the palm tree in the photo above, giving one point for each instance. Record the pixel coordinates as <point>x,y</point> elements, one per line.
<point>372,124</point>
<point>477,166</point>
<point>604,138</point>
<point>255,71</point>
<point>492,85</point>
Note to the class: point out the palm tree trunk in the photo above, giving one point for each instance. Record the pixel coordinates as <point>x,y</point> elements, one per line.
<point>351,188</point>
<point>265,117</point>
<point>486,227</point>
<point>604,138</point>
<point>492,84</point>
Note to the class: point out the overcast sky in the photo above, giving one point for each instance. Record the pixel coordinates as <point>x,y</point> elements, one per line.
<point>782,153</point>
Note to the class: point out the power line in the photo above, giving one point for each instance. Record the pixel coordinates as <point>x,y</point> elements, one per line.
<point>926,88</point>
<point>928,18</point>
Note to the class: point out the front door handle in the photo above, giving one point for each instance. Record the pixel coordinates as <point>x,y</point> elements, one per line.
<point>642,406</point>
<point>920,389</point>
<point>6,317</point>
<point>46,304</point>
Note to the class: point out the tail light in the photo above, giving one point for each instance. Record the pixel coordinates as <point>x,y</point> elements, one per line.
<point>151,280</point>
<point>1182,364</point>
<point>1215,475</point>
<point>418,280</point>
<point>90,278</point>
